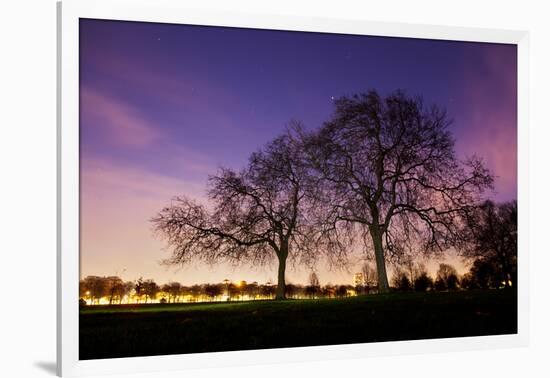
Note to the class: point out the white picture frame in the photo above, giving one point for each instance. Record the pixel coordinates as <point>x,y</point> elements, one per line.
<point>172,11</point>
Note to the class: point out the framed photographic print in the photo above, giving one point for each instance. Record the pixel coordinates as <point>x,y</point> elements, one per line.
<point>239,187</point>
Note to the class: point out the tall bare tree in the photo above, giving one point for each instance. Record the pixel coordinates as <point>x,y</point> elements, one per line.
<point>390,171</point>
<point>259,213</point>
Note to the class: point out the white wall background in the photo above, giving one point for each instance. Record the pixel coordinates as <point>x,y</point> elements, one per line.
<point>27,187</point>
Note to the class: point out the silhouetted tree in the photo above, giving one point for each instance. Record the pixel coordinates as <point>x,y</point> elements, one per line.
<point>195,291</point>
<point>328,291</point>
<point>96,286</point>
<point>439,285</point>
<point>114,287</point>
<point>370,278</point>
<point>483,275</point>
<point>173,289</point>
<point>447,278</point>
<point>252,290</point>
<point>494,239</point>
<point>150,289</point>
<point>259,213</point>
<point>314,279</point>
<point>311,291</point>
<point>468,282</point>
<point>233,291</point>
<point>267,290</point>
<point>241,289</point>
<point>342,291</point>
<point>400,280</point>
<point>290,290</point>
<point>423,282</point>
<point>314,287</point>
<point>412,268</point>
<point>213,291</point>
<point>164,290</point>
<point>389,169</point>
<point>299,290</point>
<point>139,288</point>
<point>185,291</point>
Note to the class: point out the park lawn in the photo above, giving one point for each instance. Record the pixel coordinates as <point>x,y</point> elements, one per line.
<point>145,330</point>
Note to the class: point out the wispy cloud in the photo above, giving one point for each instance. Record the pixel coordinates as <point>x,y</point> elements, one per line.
<point>105,180</point>
<point>117,121</point>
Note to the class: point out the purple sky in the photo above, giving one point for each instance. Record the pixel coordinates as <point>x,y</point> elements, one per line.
<point>162,106</point>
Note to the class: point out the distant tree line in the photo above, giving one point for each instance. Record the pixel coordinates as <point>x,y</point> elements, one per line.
<point>113,290</point>
<point>446,279</point>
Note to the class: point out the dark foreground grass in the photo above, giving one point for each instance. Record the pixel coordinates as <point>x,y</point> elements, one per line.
<point>127,331</point>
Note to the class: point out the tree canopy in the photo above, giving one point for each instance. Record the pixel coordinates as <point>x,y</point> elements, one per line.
<point>258,214</point>
<point>389,169</point>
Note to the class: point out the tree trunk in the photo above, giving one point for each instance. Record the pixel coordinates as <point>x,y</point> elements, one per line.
<point>376,236</point>
<point>282,255</point>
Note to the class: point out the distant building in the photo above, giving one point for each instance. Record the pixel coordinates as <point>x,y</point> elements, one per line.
<point>358,279</point>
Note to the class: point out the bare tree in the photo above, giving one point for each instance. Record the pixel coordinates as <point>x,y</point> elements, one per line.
<point>494,238</point>
<point>252,290</point>
<point>314,287</point>
<point>423,282</point>
<point>390,172</point>
<point>213,290</point>
<point>175,290</point>
<point>150,289</point>
<point>115,288</point>
<point>447,278</point>
<point>195,291</point>
<point>314,279</point>
<point>400,280</point>
<point>259,214</point>
<point>482,275</point>
<point>267,290</point>
<point>95,287</point>
<point>370,278</point>
<point>290,290</point>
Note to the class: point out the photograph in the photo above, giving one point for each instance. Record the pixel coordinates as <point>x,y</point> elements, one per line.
<point>247,189</point>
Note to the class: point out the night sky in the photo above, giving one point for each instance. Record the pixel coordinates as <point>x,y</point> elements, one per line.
<point>163,106</point>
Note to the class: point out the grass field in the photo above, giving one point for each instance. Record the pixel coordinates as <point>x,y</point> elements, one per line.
<point>145,330</point>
